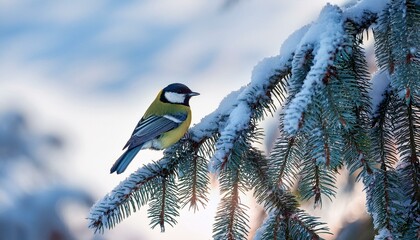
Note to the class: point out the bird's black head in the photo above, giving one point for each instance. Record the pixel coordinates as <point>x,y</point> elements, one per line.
<point>177,93</point>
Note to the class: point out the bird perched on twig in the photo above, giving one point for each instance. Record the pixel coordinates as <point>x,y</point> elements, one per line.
<point>165,122</point>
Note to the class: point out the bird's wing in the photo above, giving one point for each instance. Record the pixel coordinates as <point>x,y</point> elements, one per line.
<point>153,126</point>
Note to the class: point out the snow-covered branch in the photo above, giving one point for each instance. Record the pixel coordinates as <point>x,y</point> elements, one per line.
<point>322,79</point>
<point>128,196</point>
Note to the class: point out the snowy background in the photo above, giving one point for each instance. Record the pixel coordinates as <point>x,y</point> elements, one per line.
<point>75,77</point>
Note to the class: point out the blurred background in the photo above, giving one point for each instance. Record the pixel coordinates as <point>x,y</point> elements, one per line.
<point>76,76</point>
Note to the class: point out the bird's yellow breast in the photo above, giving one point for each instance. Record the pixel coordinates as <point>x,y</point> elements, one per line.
<point>160,108</point>
<point>173,136</point>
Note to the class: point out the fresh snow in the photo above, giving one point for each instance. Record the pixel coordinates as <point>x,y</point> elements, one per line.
<point>260,77</point>
<point>380,82</point>
<point>234,113</point>
<point>107,207</point>
<point>356,11</point>
<point>240,116</point>
<point>383,233</point>
<point>266,224</point>
<point>238,121</point>
<point>291,44</point>
<point>327,34</point>
<point>211,123</point>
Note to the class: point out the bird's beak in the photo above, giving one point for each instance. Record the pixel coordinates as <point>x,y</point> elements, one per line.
<point>192,94</point>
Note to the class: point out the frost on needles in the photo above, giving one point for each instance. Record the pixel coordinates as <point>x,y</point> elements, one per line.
<point>332,116</point>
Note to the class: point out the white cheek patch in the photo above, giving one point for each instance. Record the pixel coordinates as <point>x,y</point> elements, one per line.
<point>175,97</point>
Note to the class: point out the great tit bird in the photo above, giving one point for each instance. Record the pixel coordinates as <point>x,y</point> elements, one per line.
<point>165,122</point>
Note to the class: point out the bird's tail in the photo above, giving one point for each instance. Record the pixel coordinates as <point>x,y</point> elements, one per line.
<point>121,164</point>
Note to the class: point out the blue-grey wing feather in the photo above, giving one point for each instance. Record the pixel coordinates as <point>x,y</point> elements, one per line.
<point>152,127</point>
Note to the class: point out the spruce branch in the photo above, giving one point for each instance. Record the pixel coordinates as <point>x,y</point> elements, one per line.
<point>285,226</point>
<point>303,226</point>
<point>407,138</point>
<point>413,156</point>
<point>323,82</point>
<point>231,221</point>
<point>281,205</point>
<point>356,76</point>
<point>286,160</point>
<point>251,105</point>
<point>330,18</point>
<point>128,196</point>
<point>404,39</point>
<point>193,178</point>
<point>317,180</point>
<point>266,191</point>
<point>383,48</point>
<point>396,34</point>
<point>153,183</point>
<point>164,203</point>
<point>384,189</point>
<point>273,228</point>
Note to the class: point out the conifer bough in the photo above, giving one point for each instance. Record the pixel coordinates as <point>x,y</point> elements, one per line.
<point>332,116</point>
